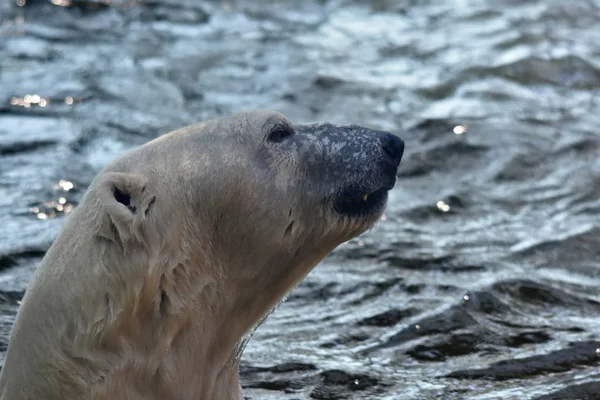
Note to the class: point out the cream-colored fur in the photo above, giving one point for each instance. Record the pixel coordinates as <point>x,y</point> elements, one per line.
<point>177,250</point>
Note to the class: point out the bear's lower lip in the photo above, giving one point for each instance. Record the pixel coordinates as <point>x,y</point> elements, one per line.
<point>354,202</point>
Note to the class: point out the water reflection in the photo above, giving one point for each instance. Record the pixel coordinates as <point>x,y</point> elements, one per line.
<point>61,3</point>
<point>64,185</point>
<point>29,100</point>
<point>442,206</point>
<point>54,208</point>
<point>460,129</point>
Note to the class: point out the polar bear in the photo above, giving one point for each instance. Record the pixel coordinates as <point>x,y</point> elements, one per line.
<point>182,246</point>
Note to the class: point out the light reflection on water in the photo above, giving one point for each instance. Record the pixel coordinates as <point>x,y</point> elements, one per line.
<point>55,208</point>
<point>29,100</point>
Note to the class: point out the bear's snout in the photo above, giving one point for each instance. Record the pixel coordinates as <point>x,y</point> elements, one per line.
<point>363,167</point>
<point>393,146</point>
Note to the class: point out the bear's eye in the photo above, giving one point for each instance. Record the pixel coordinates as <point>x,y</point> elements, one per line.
<point>279,133</point>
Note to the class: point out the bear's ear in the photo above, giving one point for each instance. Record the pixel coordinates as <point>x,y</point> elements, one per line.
<point>124,198</point>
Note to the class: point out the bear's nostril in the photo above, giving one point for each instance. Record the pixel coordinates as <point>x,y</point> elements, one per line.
<point>393,146</point>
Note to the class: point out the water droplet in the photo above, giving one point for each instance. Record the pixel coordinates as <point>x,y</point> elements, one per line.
<point>417,326</point>
<point>466,297</point>
<point>69,100</point>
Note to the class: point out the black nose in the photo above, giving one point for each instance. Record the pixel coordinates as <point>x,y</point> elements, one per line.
<point>393,146</point>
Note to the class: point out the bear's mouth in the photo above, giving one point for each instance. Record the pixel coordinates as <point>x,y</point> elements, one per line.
<point>354,201</point>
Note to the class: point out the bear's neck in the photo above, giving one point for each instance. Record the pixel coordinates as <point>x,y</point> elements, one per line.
<point>200,341</point>
<point>213,319</point>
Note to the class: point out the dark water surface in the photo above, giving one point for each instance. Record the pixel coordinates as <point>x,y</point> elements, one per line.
<point>483,281</point>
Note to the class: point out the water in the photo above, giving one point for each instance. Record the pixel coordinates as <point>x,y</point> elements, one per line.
<point>482,281</point>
